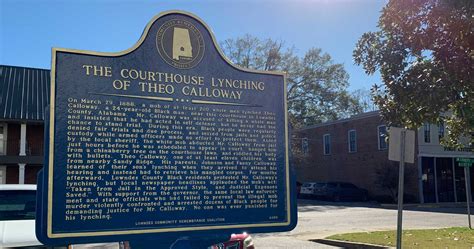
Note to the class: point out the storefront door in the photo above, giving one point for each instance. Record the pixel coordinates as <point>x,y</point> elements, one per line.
<point>428,179</point>
<point>445,180</point>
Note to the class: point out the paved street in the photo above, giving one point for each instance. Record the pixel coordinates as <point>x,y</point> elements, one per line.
<point>318,219</point>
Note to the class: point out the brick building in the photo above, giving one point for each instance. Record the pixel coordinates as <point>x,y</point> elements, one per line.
<point>24,93</point>
<point>355,150</point>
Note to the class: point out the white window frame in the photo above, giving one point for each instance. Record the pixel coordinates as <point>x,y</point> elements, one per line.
<point>349,141</point>
<point>305,146</point>
<point>378,137</point>
<point>5,138</point>
<point>427,129</point>
<point>441,130</point>
<point>324,144</point>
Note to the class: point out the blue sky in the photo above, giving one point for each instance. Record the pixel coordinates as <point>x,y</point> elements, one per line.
<point>29,29</point>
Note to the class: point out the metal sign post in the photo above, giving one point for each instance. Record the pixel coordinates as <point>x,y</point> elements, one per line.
<point>401,178</point>
<point>467,177</point>
<point>401,148</point>
<point>467,163</point>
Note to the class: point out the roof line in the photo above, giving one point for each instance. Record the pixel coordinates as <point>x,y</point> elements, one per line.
<point>354,117</point>
<point>4,65</point>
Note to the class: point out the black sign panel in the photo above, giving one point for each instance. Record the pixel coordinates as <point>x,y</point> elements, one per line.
<point>167,138</point>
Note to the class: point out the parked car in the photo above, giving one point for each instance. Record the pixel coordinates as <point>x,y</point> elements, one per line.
<point>17,215</point>
<point>339,191</point>
<point>237,241</point>
<point>119,245</point>
<point>17,219</point>
<point>311,189</point>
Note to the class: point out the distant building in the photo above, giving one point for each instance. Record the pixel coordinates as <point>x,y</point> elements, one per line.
<point>355,150</point>
<point>24,93</point>
<point>441,179</point>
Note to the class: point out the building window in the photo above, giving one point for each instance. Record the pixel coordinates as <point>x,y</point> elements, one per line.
<point>440,130</point>
<point>3,139</point>
<point>427,132</point>
<point>352,141</point>
<point>3,174</point>
<point>327,144</point>
<point>305,146</point>
<point>382,135</point>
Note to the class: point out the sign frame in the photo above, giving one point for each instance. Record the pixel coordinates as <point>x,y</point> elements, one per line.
<point>50,236</point>
<point>394,148</point>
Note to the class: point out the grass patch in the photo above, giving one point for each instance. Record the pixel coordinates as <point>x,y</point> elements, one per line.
<point>453,237</point>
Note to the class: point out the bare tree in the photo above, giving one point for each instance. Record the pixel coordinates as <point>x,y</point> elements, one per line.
<point>365,100</point>
<point>317,87</point>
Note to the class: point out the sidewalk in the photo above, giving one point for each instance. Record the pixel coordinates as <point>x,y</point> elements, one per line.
<point>288,243</point>
<point>319,219</point>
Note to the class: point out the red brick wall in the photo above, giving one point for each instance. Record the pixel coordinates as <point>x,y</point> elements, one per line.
<point>12,174</point>
<point>31,173</point>
<point>13,139</point>
<point>34,140</point>
<point>359,167</point>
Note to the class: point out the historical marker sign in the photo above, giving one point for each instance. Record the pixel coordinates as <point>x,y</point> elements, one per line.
<point>164,139</point>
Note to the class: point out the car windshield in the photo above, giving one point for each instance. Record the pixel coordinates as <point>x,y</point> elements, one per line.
<point>17,204</point>
<point>307,185</point>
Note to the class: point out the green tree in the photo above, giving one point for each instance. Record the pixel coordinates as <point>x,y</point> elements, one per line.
<point>424,51</point>
<point>317,87</point>
<point>364,97</point>
<point>387,179</point>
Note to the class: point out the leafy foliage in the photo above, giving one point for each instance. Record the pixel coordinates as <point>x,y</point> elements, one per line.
<point>387,178</point>
<point>424,51</point>
<point>317,87</point>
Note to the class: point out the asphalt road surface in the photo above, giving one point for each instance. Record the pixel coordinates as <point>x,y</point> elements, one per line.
<point>318,219</point>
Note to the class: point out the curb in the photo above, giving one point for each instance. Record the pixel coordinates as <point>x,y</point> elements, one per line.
<point>349,244</point>
<point>411,205</point>
<point>428,205</point>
